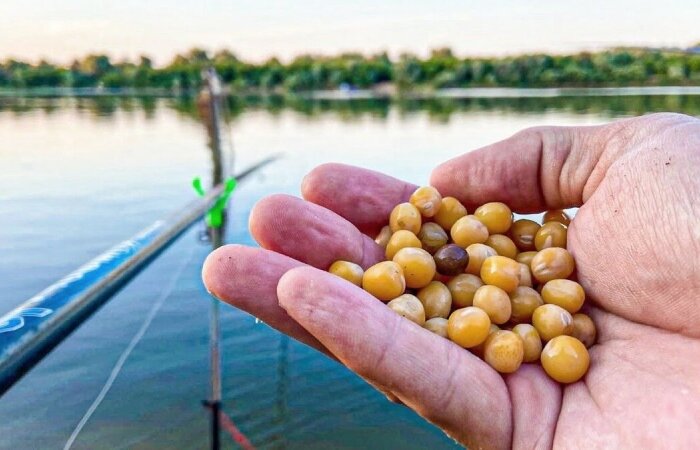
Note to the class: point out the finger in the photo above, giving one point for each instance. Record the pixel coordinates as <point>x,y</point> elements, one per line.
<point>536,169</point>
<point>247,278</point>
<point>310,233</point>
<point>536,401</point>
<point>364,197</point>
<point>227,273</point>
<point>442,382</point>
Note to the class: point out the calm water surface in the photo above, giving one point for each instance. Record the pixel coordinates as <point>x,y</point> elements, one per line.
<point>79,175</point>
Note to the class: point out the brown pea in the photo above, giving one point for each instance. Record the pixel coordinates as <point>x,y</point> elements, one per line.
<point>436,300</point>
<point>463,287</point>
<point>503,245</point>
<point>551,234</point>
<point>451,259</point>
<point>523,233</point>
<point>432,237</point>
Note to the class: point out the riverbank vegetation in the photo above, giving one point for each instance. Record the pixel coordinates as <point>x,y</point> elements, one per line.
<point>442,69</point>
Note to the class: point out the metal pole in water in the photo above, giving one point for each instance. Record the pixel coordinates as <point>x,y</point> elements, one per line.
<point>212,120</point>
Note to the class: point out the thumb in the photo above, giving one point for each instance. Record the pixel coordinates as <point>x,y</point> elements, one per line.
<point>536,169</point>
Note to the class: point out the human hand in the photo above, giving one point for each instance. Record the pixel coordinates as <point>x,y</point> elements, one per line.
<point>636,240</point>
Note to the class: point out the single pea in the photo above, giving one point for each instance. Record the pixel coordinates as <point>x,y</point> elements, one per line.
<point>552,321</point>
<point>432,237</point>
<point>532,344</point>
<point>405,216</point>
<point>478,350</point>
<point>565,293</point>
<point>462,288</point>
<point>565,359</point>
<point>468,230</point>
<point>449,211</point>
<point>523,233</point>
<point>525,257</point>
<point>551,234</point>
<point>383,237</point>
<point>451,259</point>
<point>556,215</point>
<point>552,263</point>
<point>496,216</point>
<point>495,302</point>
<point>401,239</point>
<point>525,275</point>
<point>503,245</point>
<point>468,327</point>
<point>504,351</point>
<point>436,300</point>
<point>427,199</point>
<point>523,302</point>
<point>410,307</point>
<point>477,255</point>
<point>584,329</point>
<point>417,265</point>
<point>384,280</point>
<point>437,325</point>
<point>502,272</point>
<point>347,270</point>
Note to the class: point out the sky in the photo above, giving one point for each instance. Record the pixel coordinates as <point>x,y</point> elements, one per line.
<point>60,30</point>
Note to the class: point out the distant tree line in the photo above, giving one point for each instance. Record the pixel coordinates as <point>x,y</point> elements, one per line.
<point>442,69</point>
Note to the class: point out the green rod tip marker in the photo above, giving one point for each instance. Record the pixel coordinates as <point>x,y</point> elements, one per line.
<point>215,215</point>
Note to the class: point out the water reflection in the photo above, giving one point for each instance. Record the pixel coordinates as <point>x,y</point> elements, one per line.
<point>438,109</point>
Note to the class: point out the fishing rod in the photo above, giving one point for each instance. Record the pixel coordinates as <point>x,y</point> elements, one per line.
<point>34,328</point>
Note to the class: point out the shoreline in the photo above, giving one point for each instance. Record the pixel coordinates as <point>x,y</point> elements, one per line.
<point>369,94</point>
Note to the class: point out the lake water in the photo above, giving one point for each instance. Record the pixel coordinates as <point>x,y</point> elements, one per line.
<point>81,174</point>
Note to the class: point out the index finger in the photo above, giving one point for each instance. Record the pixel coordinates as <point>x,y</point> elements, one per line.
<point>362,196</point>
<point>442,382</point>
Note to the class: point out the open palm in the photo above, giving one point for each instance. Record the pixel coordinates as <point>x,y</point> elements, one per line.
<point>636,240</point>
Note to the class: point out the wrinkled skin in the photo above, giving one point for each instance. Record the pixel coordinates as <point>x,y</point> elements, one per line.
<point>636,240</point>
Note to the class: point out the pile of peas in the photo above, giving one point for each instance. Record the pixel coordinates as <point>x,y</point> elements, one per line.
<point>497,287</point>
